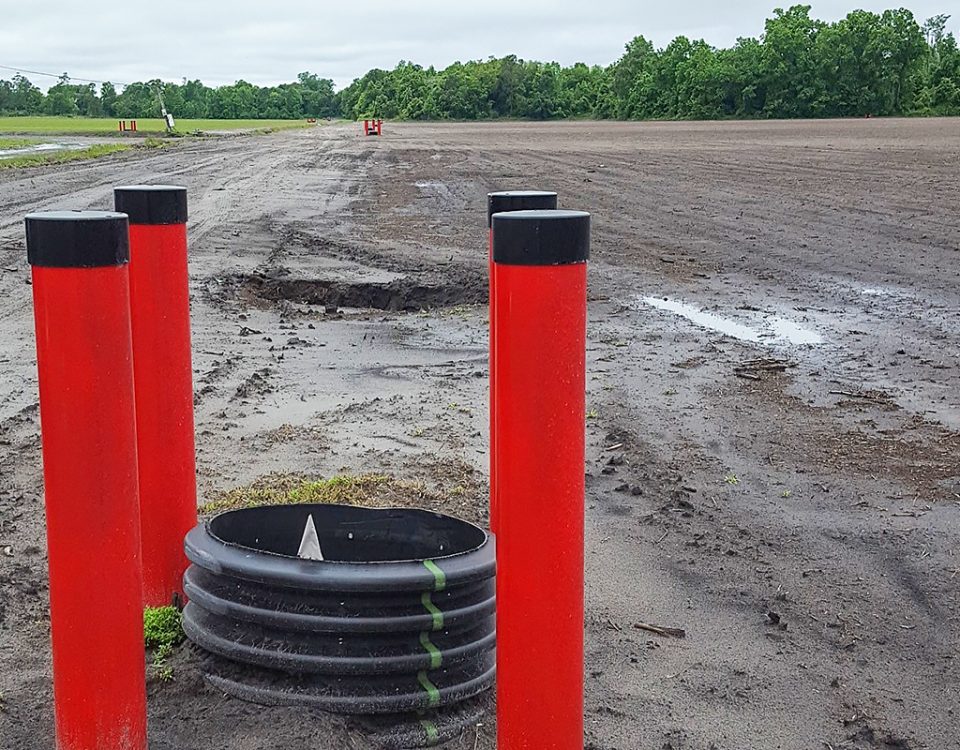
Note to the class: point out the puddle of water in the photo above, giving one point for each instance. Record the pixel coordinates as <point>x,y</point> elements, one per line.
<point>40,148</point>
<point>705,319</point>
<point>891,292</point>
<point>774,330</point>
<point>434,187</point>
<point>321,268</point>
<point>794,333</point>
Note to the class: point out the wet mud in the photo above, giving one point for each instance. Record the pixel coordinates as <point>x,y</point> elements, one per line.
<point>773,421</point>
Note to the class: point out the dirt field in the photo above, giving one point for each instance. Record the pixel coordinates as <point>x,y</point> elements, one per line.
<point>774,429</point>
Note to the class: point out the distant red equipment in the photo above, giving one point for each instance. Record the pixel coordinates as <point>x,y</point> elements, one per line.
<point>127,125</point>
<point>373,127</point>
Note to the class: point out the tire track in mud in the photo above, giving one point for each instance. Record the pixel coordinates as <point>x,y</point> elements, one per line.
<point>250,169</point>
<point>88,185</point>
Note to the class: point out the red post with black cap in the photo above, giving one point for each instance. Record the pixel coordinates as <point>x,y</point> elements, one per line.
<point>85,364</point>
<point>163,376</point>
<point>502,202</point>
<point>540,272</point>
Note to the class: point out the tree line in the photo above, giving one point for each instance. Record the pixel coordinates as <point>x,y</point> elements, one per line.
<point>864,64</point>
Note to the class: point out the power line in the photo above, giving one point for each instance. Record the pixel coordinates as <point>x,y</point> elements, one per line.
<point>58,75</point>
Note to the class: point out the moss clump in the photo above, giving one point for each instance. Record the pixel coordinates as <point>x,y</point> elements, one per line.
<point>450,486</point>
<point>342,489</point>
<point>162,630</point>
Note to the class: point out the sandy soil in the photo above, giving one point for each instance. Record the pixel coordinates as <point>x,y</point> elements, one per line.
<point>774,417</point>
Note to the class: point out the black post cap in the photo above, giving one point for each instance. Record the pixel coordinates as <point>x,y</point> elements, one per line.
<point>152,204</point>
<point>519,200</point>
<point>77,239</point>
<point>541,238</point>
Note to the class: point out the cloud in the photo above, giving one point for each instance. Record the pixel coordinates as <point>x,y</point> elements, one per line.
<point>270,42</point>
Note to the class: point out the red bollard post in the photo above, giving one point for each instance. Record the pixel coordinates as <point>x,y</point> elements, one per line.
<point>163,376</point>
<point>501,202</point>
<point>133,125</point>
<point>540,326</point>
<point>82,312</point>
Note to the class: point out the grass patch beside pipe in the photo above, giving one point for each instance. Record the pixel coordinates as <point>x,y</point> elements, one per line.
<point>288,489</point>
<point>454,488</point>
<point>162,630</point>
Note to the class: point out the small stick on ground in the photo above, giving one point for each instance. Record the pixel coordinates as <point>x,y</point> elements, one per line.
<point>771,365</point>
<point>658,630</point>
<point>865,395</point>
<point>686,668</point>
<point>752,369</point>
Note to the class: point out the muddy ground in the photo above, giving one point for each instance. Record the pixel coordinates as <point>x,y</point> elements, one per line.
<point>774,404</point>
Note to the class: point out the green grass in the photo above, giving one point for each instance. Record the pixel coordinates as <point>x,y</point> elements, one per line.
<point>6,143</point>
<point>107,126</point>
<point>59,157</point>
<point>452,487</point>
<point>342,489</point>
<point>162,630</point>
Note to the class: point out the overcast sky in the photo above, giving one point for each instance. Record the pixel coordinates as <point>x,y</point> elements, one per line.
<point>270,41</point>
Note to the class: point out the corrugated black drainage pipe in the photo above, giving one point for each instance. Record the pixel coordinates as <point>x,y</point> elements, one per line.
<point>397,617</point>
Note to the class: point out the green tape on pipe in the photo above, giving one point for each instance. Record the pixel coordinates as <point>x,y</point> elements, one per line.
<point>433,610</point>
<point>430,689</point>
<point>435,656</point>
<point>433,734</point>
<point>439,577</point>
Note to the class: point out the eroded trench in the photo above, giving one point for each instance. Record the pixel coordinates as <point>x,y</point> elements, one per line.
<point>404,294</point>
